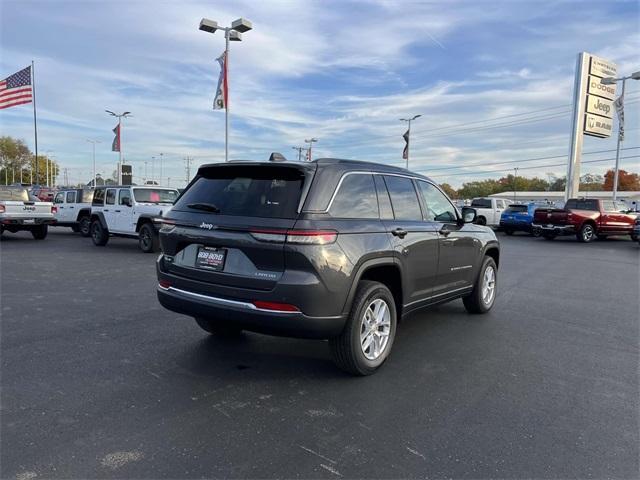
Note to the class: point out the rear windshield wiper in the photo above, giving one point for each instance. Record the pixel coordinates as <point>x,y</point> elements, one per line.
<point>207,207</point>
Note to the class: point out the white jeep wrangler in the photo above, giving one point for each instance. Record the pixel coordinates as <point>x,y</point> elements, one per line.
<point>130,211</point>
<point>74,209</point>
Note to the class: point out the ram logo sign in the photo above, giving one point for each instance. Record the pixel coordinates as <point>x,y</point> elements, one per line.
<point>597,126</point>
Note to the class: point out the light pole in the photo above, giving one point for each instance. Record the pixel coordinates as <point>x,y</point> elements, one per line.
<point>409,120</point>
<point>47,165</point>
<point>611,81</point>
<point>515,185</point>
<point>233,34</point>
<point>153,170</point>
<point>120,117</point>
<point>310,141</point>
<point>299,149</point>
<point>93,143</point>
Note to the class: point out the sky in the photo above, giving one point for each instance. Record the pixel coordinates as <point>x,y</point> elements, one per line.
<point>492,80</point>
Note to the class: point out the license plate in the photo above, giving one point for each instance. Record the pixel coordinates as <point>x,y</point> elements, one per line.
<point>549,225</point>
<point>29,220</point>
<point>210,258</point>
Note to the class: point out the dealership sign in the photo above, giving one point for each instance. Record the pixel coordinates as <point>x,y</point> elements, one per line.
<point>597,125</point>
<point>600,106</point>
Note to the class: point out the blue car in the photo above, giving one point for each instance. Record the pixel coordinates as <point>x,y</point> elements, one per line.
<point>518,218</point>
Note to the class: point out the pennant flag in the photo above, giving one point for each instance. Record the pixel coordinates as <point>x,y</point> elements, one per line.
<point>115,145</point>
<point>405,152</point>
<point>220,100</point>
<point>619,104</point>
<point>16,89</point>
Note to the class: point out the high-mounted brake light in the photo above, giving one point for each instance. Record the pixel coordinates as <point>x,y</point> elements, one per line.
<point>275,306</point>
<point>299,237</point>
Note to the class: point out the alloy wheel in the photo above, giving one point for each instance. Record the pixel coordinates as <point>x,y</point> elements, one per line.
<point>375,329</point>
<point>488,285</point>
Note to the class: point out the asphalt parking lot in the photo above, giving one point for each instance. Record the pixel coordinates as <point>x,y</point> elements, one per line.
<point>98,381</point>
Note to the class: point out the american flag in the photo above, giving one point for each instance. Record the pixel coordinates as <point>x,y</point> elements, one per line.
<point>16,89</point>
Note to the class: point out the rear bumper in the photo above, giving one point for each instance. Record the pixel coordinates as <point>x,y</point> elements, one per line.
<point>557,229</point>
<point>25,223</point>
<point>515,225</point>
<point>248,316</point>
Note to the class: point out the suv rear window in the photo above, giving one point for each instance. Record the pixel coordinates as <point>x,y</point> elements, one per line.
<point>87,196</point>
<point>15,194</point>
<point>517,209</point>
<point>249,191</point>
<point>481,203</point>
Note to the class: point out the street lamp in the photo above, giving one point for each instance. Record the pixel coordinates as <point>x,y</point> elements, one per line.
<point>613,81</point>
<point>161,154</point>
<point>120,117</point>
<point>93,142</point>
<point>233,34</point>
<point>409,120</point>
<point>310,141</point>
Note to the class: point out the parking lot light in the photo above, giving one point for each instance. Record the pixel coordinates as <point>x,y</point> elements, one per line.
<point>231,34</point>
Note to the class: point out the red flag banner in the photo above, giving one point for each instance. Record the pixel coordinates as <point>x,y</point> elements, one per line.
<point>16,89</point>
<point>220,101</point>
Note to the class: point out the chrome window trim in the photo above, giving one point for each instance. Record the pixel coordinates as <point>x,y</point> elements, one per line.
<point>362,172</point>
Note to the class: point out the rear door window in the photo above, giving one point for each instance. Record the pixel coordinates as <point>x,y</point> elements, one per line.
<point>71,197</point>
<point>403,198</point>
<point>269,192</point>
<point>111,196</point>
<point>98,197</point>
<point>356,198</point>
<point>384,202</point>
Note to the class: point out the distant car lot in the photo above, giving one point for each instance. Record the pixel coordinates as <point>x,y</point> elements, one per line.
<point>98,380</point>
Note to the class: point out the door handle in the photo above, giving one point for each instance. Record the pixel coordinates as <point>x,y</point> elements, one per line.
<point>399,232</point>
<point>117,211</point>
<point>106,210</point>
<point>72,207</point>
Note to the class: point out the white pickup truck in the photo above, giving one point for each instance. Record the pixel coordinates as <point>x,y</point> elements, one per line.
<point>489,210</point>
<point>19,213</point>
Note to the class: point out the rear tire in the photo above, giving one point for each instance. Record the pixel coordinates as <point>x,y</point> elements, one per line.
<point>148,239</point>
<point>587,233</point>
<point>75,229</point>
<point>481,221</point>
<point>85,226</point>
<point>99,234</point>
<point>218,328</point>
<point>367,338</point>
<point>549,236</point>
<point>635,238</point>
<point>508,231</point>
<point>536,232</point>
<point>485,289</point>
<point>40,232</point>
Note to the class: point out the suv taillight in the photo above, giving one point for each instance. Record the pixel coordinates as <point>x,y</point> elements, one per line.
<point>297,237</point>
<point>54,209</point>
<point>1,208</point>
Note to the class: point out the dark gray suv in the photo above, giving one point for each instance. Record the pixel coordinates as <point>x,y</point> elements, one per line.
<point>330,249</point>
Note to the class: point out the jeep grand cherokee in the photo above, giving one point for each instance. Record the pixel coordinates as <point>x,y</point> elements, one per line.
<point>329,249</point>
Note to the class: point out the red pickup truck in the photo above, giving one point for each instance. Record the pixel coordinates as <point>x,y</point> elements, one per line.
<point>586,218</point>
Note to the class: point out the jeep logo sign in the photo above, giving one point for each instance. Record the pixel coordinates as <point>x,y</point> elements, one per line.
<point>29,208</point>
<point>600,106</point>
<point>207,226</point>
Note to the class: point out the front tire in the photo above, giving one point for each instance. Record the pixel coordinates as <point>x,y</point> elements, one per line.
<point>367,338</point>
<point>99,234</point>
<point>485,289</point>
<point>85,226</point>
<point>40,232</point>
<point>587,233</point>
<point>148,239</point>
<point>218,328</point>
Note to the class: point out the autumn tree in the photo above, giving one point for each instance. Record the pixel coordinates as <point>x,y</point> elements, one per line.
<point>449,190</point>
<point>626,181</point>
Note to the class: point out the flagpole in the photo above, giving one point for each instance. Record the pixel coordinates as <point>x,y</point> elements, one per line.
<point>35,123</point>
<point>226,98</point>
<point>119,150</point>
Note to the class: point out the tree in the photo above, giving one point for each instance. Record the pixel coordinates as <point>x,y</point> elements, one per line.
<point>17,159</point>
<point>591,182</point>
<point>449,190</point>
<point>626,181</point>
<point>481,188</point>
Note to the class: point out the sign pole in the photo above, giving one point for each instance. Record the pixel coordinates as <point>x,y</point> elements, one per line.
<point>575,148</point>
<point>620,133</point>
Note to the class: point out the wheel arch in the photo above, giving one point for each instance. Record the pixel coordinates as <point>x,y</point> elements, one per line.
<point>142,219</point>
<point>383,270</point>
<point>100,217</point>
<point>85,212</point>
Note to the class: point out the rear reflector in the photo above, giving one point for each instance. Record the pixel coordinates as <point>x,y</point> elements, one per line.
<point>300,237</point>
<point>164,284</point>
<point>275,306</point>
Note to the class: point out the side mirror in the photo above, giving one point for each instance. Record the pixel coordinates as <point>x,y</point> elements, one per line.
<point>468,215</point>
